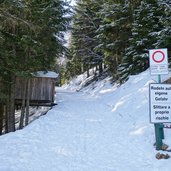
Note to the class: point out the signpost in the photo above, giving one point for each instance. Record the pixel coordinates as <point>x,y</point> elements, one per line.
<point>158,66</point>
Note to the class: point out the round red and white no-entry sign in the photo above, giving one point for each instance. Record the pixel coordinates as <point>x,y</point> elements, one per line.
<point>158,61</point>
<point>158,56</point>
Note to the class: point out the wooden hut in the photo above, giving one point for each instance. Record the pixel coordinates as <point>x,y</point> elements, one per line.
<point>41,89</point>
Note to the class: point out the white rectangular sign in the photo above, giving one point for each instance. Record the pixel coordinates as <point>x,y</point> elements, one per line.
<point>160,103</point>
<point>158,61</point>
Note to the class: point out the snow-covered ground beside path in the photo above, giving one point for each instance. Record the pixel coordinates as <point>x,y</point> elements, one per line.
<point>100,128</point>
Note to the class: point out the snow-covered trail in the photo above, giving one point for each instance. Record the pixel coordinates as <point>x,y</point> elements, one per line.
<point>87,130</point>
<point>81,133</point>
<point>101,141</point>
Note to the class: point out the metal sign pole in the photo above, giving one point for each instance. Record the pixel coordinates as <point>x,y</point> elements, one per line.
<point>159,133</point>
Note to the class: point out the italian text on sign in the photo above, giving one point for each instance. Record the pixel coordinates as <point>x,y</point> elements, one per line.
<point>160,103</point>
<point>158,61</point>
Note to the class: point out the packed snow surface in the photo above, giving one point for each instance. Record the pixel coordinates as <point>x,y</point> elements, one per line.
<point>99,128</point>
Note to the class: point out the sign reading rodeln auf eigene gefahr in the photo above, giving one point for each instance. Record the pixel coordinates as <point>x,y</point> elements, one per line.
<point>160,103</point>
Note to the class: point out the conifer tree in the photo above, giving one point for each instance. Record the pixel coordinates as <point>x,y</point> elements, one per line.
<point>145,30</point>
<point>113,32</point>
<point>164,36</point>
<point>85,24</point>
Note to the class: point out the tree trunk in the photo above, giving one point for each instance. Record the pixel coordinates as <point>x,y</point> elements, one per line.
<point>1,117</point>
<point>23,104</point>
<point>10,106</point>
<point>88,72</point>
<point>100,68</point>
<point>6,116</point>
<point>27,102</point>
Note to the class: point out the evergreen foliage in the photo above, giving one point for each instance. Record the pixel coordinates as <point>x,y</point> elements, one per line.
<point>123,34</point>
<point>164,38</point>
<point>113,32</point>
<point>147,28</point>
<point>83,41</point>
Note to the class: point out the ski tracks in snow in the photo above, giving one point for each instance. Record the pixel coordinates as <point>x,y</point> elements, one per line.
<point>102,140</point>
<point>89,129</point>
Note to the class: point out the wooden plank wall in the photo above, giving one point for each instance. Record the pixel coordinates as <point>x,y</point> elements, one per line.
<point>41,89</point>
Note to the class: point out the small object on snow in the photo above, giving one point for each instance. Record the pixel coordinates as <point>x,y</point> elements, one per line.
<point>162,156</point>
<point>164,147</point>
